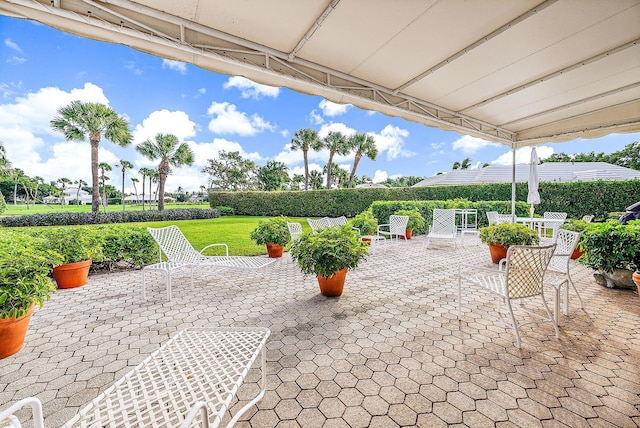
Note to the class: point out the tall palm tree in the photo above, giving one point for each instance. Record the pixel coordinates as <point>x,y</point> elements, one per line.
<point>135,188</point>
<point>305,139</point>
<point>124,165</point>
<point>145,172</point>
<point>103,167</point>
<point>80,182</point>
<point>80,120</point>
<point>335,142</point>
<point>315,179</point>
<point>171,152</point>
<point>364,145</point>
<point>64,181</point>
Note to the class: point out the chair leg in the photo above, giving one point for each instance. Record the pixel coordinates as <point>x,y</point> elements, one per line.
<point>168,272</point>
<point>513,323</point>
<point>551,317</point>
<point>574,289</point>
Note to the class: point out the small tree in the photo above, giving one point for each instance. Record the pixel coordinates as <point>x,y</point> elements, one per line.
<point>104,167</point>
<point>124,165</point>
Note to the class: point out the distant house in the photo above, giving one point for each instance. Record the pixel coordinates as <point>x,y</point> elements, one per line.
<point>559,172</point>
<point>133,199</point>
<point>370,186</point>
<point>70,196</point>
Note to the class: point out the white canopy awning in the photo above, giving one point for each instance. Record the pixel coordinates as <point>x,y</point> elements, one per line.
<point>516,72</point>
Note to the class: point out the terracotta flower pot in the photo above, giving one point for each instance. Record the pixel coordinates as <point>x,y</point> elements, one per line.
<point>408,233</point>
<point>12,333</point>
<point>636,279</point>
<point>577,253</point>
<point>332,286</point>
<point>498,252</point>
<point>72,275</point>
<point>274,250</point>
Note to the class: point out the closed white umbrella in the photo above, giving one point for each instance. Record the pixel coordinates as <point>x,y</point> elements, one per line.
<point>533,197</point>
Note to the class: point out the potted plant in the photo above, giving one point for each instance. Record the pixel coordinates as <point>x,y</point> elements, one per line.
<point>79,246</point>
<point>329,253</point>
<point>416,221</point>
<point>365,222</point>
<point>576,226</point>
<point>273,233</point>
<point>613,250</point>
<point>499,236</point>
<point>25,265</point>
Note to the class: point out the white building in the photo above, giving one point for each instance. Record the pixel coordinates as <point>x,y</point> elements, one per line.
<point>70,195</point>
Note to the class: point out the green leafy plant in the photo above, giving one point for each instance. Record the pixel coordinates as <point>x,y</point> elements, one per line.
<point>575,225</point>
<point>328,251</point>
<point>508,234</point>
<point>25,265</point>
<point>125,246</point>
<point>74,244</point>
<point>271,230</point>
<point>611,245</point>
<point>365,222</point>
<point>416,221</point>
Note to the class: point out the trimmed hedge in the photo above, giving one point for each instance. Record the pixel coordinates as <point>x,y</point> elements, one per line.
<point>576,199</point>
<point>383,209</point>
<point>69,218</point>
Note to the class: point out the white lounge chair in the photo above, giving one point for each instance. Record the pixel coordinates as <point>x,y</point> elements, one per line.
<point>522,278</point>
<point>396,227</point>
<point>180,253</point>
<point>443,226</point>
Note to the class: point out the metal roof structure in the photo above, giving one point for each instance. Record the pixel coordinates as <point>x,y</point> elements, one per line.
<point>560,172</point>
<point>519,73</point>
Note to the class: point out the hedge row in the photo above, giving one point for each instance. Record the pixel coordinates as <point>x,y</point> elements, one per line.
<point>69,218</point>
<point>576,199</point>
<point>383,209</point>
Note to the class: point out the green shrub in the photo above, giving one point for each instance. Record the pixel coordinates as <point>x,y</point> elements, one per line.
<point>365,222</point>
<point>416,221</point>
<point>273,230</point>
<point>125,246</point>
<point>224,211</point>
<point>74,244</point>
<point>25,265</point>
<point>329,250</point>
<point>3,204</point>
<point>508,234</point>
<point>611,245</point>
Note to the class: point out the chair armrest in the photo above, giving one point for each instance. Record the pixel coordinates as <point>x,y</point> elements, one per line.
<point>217,245</point>
<point>355,228</point>
<point>492,271</point>
<point>7,416</point>
<point>380,226</point>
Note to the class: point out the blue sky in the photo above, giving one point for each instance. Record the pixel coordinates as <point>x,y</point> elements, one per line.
<point>42,69</point>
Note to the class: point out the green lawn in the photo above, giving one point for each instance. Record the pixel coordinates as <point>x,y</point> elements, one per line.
<point>43,208</point>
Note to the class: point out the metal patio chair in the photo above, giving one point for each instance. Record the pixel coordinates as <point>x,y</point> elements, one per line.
<point>443,226</point>
<point>560,277</point>
<point>396,227</point>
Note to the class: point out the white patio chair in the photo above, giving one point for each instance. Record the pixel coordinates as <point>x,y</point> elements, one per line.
<point>587,218</point>
<point>560,277</point>
<point>179,252</point>
<point>522,278</point>
<point>556,226</point>
<point>443,226</point>
<point>503,218</point>
<point>319,224</point>
<point>492,216</point>
<point>295,230</point>
<point>396,227</point>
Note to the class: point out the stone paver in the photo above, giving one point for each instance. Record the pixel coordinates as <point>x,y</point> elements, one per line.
<point>388,352</point>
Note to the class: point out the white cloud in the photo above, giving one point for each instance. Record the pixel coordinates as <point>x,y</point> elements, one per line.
<point>315,118</point>
<point>436,146</point>
<point>332,109</point>
<point>131,66</point>
<point>178,66</point>
<point>250,89</point>
<point>335,127</point>
<point>16,60</point>
<point>12,45</point>
<point>523,155</point>
<point>228,120</point>
<point>164,122</point>
<point>391,141</point>
<point>285,133</point>
<point>205,151</point>
<point>470,145</point>
<point>379,176</point>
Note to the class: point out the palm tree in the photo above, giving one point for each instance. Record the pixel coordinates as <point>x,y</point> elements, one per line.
<point>296,180</point>
<point>80,182</point>
<point>335,142</point>
<point>103,167</point>
<point>124,165</point>
<point>305,139</point>
<point>4,161</point>
<point>315,179</point>
<point>154,177</point>
<point>15,174</point>
<point>64,181</point>
<point>170,151</point>
<point>364,145</point>
<point>80,120</point>
<point>135,189</point>
<point>145,172</point>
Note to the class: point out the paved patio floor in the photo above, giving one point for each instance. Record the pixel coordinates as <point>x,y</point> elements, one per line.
<point>389,352</point>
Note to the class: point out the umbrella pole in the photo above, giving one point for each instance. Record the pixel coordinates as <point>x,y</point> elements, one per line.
<point>531,209</point>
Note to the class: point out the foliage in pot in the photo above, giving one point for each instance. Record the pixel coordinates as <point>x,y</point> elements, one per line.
<point>328,251</point>
<point>416,221</point>
<point>73,243</point>
<point>272,230</point>
<point>611,245</point>
<point>365,222</point>
<point>508,234</point>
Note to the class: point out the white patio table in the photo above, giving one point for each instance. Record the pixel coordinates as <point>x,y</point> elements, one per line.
<point>535,223</point>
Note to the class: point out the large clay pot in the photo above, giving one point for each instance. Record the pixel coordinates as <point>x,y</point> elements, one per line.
<point>332,286</point>
<point>408,233</point>
<point>577,253</point>
<point>12,333</point>
<point>636,279</point>
<point>274,250</point>
<point>498,252</point>
<point>619,278</point>
<point>72,275</point>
